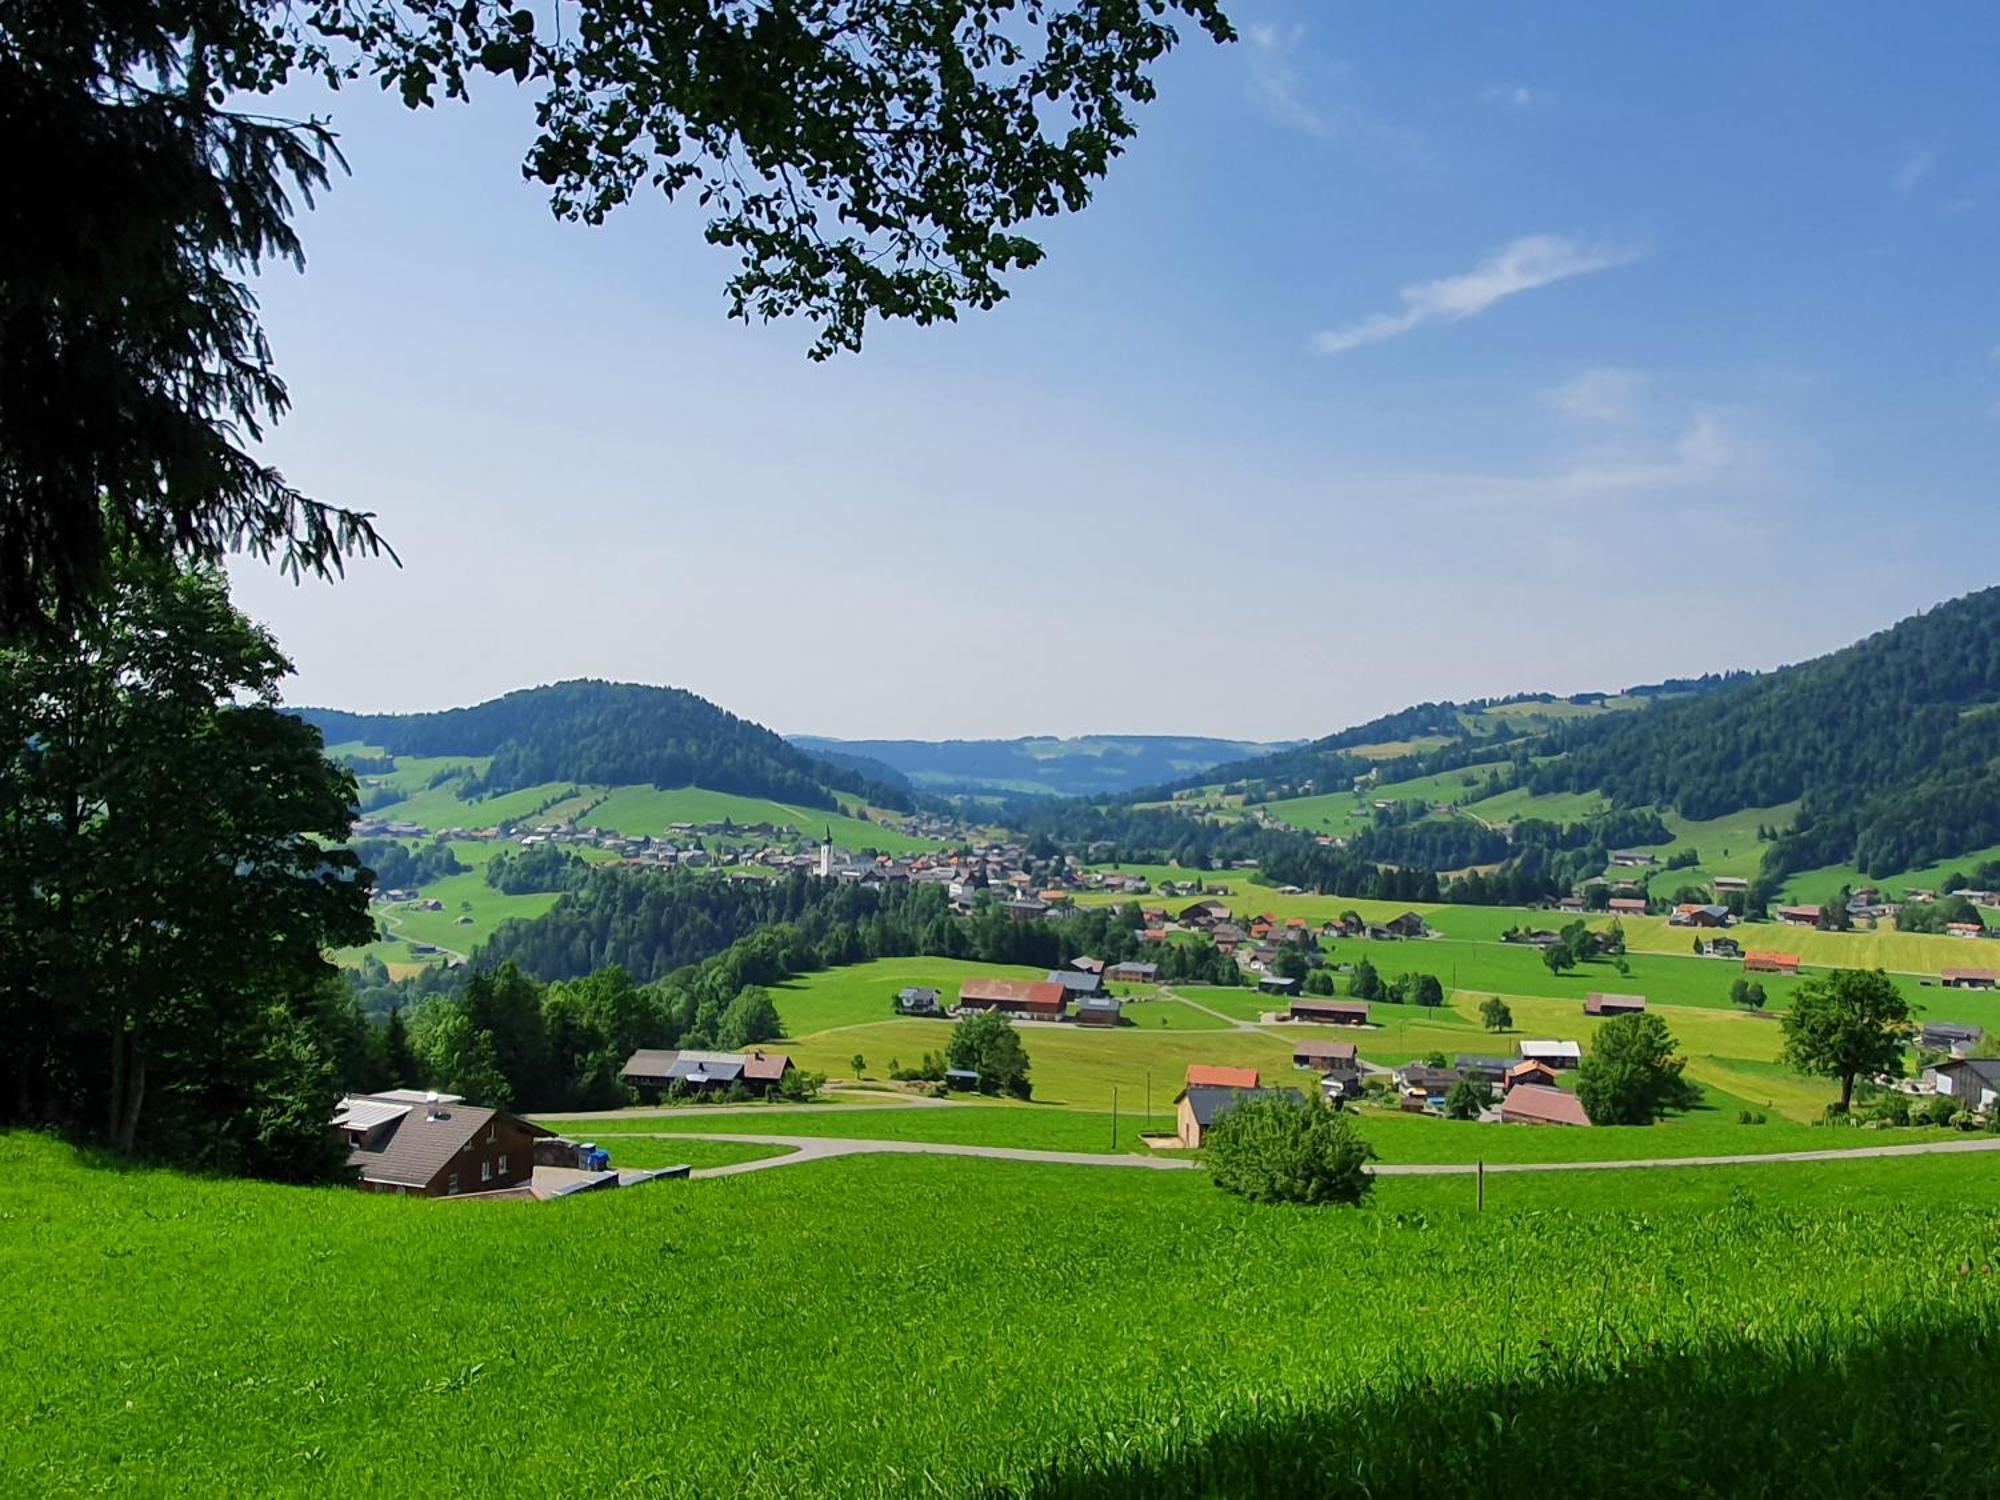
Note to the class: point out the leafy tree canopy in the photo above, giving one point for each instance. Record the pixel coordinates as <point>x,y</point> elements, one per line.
<point>1278,1148</point>
<point>1847,1023</point>
<point>1632,1075</point>
<point>864,161</point>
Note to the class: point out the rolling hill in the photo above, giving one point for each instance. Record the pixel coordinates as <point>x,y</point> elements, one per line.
<point>1040,765</point>
<point>1879,759</point>
<point>609,734</point>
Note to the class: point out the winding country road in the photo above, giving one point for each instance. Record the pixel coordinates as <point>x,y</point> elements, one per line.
<point>821,1148</point>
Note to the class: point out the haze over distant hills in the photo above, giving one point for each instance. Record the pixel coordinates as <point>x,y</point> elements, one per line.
<point>1084,766</point>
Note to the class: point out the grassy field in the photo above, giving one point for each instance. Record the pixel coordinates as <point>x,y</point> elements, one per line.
<point>1823,884</point>
<point>1906,953</point>
<point>1736,1335</point>
<point>1519,803</point>
<point>1709,1131</point>
<point>650,810</point>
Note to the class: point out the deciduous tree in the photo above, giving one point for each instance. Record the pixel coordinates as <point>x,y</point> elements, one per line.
<point>1847,1023</point>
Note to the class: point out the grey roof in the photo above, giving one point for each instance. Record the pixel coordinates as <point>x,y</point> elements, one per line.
<point>917,995</point>
<point>1209,1100</point>
<point>710,1067</point>
<point>1077,981</point>
<point>1101,1002</point>
<point>1473,1060</point>
<point>422,1143</point>
<point>1985,1069</point>
<point>1953,1030</point>
<point>648,1062</point>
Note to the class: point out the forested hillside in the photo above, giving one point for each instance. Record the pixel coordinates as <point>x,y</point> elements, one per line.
<point>1043,765</point>
<point>1890,744</point>
<point>610,734</point>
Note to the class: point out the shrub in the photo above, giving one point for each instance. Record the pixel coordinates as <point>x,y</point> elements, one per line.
<point>1274,1148</point>
<point>1749,1117</point>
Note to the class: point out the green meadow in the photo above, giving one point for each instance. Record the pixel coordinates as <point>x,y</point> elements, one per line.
<point>652,810</point>
<point>1824,884</point>
<point>1001,1329</point>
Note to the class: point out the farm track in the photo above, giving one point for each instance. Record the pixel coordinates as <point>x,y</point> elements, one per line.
<point>820,1148</point>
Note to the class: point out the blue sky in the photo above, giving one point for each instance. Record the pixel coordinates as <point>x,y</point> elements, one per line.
<point>1412,352</point>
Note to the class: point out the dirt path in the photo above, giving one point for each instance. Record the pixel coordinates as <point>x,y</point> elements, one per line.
<point>821,1148</point>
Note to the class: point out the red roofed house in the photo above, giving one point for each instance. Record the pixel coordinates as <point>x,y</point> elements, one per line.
<point>1210,1075</point>
<point>1595,1004</point>
<point>1969,979</point>
<point>1040,1000</point>
<point>1531,1072</point>
<point>1533,1104</point>
<point>1755,962</point>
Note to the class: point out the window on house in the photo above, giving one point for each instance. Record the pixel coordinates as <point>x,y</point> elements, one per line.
<point>451,1184</point>
<point>486,1171</point>
<point>503,1165</point>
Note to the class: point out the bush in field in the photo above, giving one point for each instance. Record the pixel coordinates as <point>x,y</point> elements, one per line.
<point>1276,1148</point>
<point>1632,1076</point>
<point>1494,1014</point>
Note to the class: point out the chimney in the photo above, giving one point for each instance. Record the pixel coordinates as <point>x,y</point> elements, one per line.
<point>431,1105</point>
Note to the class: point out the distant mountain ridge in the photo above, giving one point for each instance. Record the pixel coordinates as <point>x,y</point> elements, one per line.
<point>1045,765</point>
<point>611,734</point>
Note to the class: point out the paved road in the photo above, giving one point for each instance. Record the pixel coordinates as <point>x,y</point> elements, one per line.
<point>820,1148</point>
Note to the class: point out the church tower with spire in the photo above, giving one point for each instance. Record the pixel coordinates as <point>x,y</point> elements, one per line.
<point>826,855</point>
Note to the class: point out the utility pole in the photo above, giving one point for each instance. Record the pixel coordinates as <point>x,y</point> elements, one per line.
<point>1480,1205</point>
<point>1114,1117</point>
<point>1149,1098</point>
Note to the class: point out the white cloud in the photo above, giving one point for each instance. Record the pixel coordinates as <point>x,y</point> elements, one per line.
<point>1535,261</point>
<point>1275,80</point>
<point>1517,96</point>
<point>1599,395</point>
<point>1914,171</point>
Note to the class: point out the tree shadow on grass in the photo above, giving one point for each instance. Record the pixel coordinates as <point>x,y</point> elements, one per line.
<point>1911,1414</point>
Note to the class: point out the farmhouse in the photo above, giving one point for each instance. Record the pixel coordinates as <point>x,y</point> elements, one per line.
<point>1799,916</point>
<point>1531,1073</point>
<point>1692,915</point>
<point>1204,914</point>
<point>1408,925</point>
<point>1322,1056</point>
<point>1201,1105</point>
<point>1133,973</point>
<point>405,1141</point>
<point>1597,1004</point>
<point>1973,1081</point>
<point>1628,906</point>
<point>1277,984</point>
<point>1423,1086</point>
<point>1731,883</point>
<point>1536,1104</point>
<point>698,1072</point>
<point>1632,858</point>
<point>1078,982</point>
<point>1969,979</point>
<point>1084,964</point>
<point>1555,1054</point>
<point>1036,1000</point>
<point>1100,1010</point>
<point>1953,929</point>
<point>1486,1069</point>
<point>1329,1012</point>
<point>1948,1036</point>
<point>1722,947</point>
<point>1757,961</point>
<point>918,1001</point>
